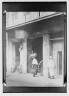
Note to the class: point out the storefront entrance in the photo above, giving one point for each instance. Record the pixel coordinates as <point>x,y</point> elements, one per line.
<point>36,45</point>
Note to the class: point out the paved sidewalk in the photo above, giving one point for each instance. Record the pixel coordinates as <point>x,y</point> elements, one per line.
<point>15,79</point>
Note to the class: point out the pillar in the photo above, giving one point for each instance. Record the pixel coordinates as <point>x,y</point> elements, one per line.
<point>13,55</point>
<point>23,56</point>
<point>8,53</point>
<point>45,54</point>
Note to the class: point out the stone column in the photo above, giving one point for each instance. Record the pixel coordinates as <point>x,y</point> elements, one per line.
<point>45,54</point>
<point>13,55</point>
<point>8,53</point>
<point>23,56</point>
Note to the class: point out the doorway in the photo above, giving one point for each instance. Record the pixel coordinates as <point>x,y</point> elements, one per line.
<point>59,58</point>
<point>36,45</point>
<point>58,51</point>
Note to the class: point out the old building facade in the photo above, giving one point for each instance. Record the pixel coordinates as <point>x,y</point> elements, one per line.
<point>42,32</point>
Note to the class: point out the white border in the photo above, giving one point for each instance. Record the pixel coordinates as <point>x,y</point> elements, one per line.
<point>31,94</point>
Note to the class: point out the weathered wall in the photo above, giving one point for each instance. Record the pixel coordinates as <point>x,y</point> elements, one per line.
<point>20,34</point>
<point>58,46</point>
<point>15,18</point>
<point>10,54</point>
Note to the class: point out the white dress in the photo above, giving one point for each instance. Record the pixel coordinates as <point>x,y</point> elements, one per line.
<point>34,61</point>
<point>51,67</point>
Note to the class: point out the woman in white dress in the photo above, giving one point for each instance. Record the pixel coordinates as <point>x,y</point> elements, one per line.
<point>51,67</point>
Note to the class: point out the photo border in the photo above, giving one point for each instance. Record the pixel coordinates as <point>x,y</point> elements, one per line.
<point>31,6</point>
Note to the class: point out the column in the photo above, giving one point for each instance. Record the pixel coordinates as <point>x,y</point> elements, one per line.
<point>23,56</point>
<point>45,54</point>
<point>8,53</point>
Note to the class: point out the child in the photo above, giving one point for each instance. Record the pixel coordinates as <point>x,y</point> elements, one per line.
<point>35,66</point>
<point>34,63</point>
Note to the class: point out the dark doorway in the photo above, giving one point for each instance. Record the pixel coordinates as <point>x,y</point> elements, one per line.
<point>36,45</point>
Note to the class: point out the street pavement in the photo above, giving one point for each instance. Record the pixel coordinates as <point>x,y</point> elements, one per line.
<point>27,80</point>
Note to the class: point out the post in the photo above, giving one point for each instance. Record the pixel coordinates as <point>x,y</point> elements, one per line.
<point>45,54</point>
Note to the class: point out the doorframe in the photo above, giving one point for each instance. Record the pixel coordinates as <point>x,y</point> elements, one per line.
<point>27,47</point>
<point>58,63</point>
<point>62,58</point>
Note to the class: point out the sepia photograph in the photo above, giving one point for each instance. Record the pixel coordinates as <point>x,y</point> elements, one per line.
<point>34,43</point>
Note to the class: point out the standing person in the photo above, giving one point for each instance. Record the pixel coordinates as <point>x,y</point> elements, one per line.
<point>34,63</point>
<point>51,65</point>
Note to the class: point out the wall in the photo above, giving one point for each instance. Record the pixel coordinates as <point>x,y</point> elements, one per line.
<point>10,54</point>
<point>20,34</point>
<point>42,14</point>
<point>58,46</point>
<point>15,18</point>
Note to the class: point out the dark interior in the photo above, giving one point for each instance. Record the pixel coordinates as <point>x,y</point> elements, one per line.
<point>36,46</point>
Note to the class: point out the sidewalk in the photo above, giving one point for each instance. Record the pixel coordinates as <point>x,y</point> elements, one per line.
<point>15,79</point>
